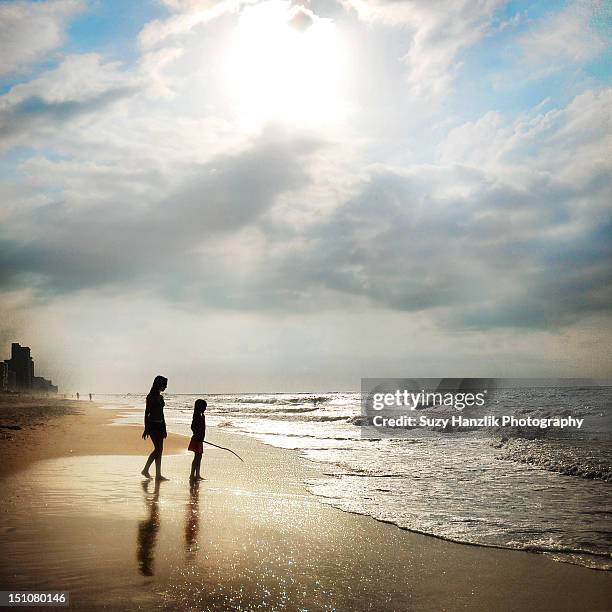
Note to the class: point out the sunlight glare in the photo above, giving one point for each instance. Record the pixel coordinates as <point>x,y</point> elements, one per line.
<point>285,64</point>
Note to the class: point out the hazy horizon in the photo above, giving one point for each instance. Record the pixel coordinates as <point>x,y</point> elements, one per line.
<point>510,383</point>
<point>295,195</point>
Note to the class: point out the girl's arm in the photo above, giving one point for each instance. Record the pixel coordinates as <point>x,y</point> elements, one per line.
<point>145,433</point>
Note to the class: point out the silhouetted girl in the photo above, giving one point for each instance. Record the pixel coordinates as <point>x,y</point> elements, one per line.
<point>198,427</point>
<point>155,426</point>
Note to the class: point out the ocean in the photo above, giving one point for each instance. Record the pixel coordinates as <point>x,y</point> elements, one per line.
<point>527,488</point>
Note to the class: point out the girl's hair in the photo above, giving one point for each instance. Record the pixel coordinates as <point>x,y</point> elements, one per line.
<point>159,383</point>
<point>200,405</point>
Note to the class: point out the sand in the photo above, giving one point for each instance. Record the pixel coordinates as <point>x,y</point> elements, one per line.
<point>44,434</point>
<point>76,515</point>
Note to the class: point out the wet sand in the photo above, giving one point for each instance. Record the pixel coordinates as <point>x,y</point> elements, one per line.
<point>43,432</point>
<point>76,515</point>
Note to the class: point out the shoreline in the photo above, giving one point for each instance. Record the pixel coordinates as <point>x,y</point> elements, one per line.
<point>420,570</point>
<point>44,432</point>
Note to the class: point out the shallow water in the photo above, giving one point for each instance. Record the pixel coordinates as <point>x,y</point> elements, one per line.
<point>244,540</point>
<point>92,526</point>
<point>545,491</point>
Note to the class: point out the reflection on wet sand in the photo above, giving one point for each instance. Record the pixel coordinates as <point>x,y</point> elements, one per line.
<point>147,530</point>
<point>192,524</point>
<point>73,523</point>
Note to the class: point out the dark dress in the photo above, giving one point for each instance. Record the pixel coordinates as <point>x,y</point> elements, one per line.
<point>198,427</point>
<point>154,415</point>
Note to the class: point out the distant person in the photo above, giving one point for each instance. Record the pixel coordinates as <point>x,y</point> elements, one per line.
<point>155,426</point>
<point>78,396</point>
<point>198,427</point>
<point>90,397</point>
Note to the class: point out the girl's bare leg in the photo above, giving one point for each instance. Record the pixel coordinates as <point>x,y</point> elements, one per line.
<point>145,470</point>
<point>199,461</point>
<point>158,441</point>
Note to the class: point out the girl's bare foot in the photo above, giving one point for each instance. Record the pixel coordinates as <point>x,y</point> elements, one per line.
<point>198,477</point>
<point>145,474</point>
<point>160,478</point>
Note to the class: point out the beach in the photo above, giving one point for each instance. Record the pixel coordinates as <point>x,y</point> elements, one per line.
<point>76,515</point>
<point>524,488</point>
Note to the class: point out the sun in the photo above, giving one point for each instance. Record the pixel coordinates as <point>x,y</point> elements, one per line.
<point>285,64</point>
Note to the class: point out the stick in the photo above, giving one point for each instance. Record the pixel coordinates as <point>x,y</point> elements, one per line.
<point>229,450</point>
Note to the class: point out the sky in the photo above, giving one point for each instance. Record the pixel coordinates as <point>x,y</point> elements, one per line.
<point>267,195</point>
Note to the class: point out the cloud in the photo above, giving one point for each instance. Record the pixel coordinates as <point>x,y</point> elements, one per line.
<point>30,30</point>
<point>440,31</point>
<point>511,230</point>
<point>188,16</point>
<point>570,280</point>
<point>131,188</point>
<point>103,343</point>
<point>576,139</point>
<point>79,85</point>
<point>566,36</point>
<point>60,248</point>
<point>506,229</point>
<point>77,77</point>
<point>34,111</point>
<point>470,261</point>
<point>476,237</point>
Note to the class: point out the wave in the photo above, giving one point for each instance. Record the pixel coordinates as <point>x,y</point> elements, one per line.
<point>566,461</point>
<point>281,414</point>
<point>566,554</point>
<point>277,434</point>
<point>280,400</point>
<point>299,416</point>
<point>296,410</point>
<point>264,413</point>
<point>266,418</point>
<point>225,424</point>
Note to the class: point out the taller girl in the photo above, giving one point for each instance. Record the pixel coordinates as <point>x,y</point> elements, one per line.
<point>155,426</point>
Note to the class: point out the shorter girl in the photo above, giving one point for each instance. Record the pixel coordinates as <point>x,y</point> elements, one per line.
<point>198,427</point>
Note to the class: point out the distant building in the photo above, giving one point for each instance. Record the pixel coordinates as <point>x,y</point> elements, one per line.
<point>4,376</point>
<point>42,384</point>
<point>21,363</point>
<point>12,380</point>
<point>17,373</point>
